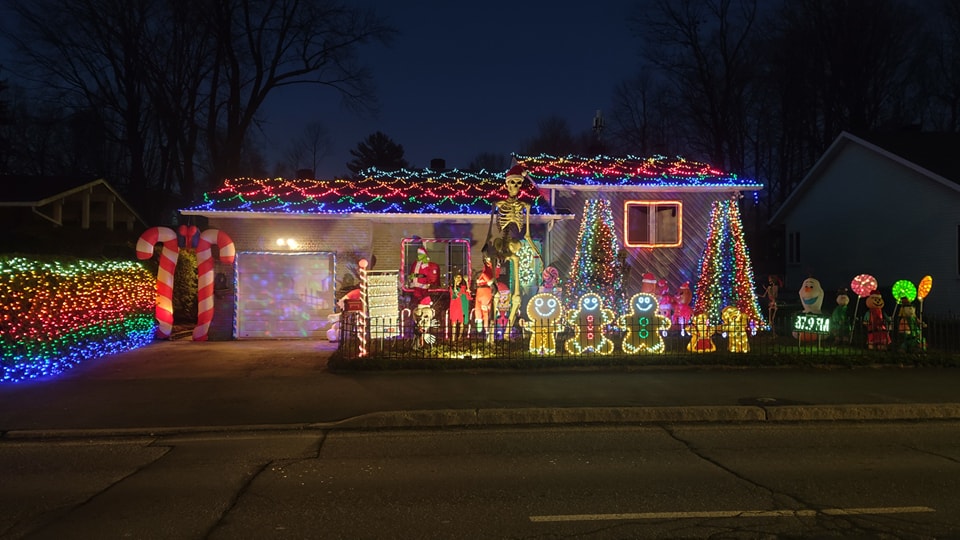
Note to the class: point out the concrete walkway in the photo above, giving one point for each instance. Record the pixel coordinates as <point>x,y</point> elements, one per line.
<point>182,386</point>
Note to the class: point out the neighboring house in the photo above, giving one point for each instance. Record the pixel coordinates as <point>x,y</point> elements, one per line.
<point>887,205</point>
<point>52,214</point>
<point>298,241</point>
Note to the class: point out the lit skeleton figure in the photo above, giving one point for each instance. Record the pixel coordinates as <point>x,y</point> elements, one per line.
<point>513,223</point>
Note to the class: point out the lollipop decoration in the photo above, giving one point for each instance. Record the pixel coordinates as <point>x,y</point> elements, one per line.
<point>863,285</point>
<point>904,289</point>
<point>922,291</point>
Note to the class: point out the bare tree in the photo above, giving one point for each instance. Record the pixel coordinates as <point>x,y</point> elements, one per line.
<point>703,49</point>
<point>553,137</point>
<point>310,148</point>
<point>179,83</point>
<point>641,117</point>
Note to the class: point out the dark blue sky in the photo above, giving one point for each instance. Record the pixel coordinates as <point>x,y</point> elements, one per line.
<point>464,78</point>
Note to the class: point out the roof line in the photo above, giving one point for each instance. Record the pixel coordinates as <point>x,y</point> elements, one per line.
<point>535,218</point>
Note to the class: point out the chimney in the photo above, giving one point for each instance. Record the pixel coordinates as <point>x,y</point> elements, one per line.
<point>438,164</point>
<point>305,174</point>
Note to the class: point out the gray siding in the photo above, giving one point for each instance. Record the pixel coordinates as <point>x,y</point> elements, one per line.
<point>867,214</point>
<point>676,264</point>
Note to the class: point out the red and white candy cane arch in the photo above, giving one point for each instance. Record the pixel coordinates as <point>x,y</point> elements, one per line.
<point>168,265</point>
<point>209,238</point>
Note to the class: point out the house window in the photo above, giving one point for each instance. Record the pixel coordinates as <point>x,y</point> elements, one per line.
<point>653,223</point>
<point>451,255</point>
<point>793,248</point>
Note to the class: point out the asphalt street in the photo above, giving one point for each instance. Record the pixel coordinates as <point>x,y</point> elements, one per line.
<point>183,386</point>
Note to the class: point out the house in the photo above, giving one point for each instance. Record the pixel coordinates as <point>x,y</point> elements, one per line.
<point>883,204</point>
<point>64,215</point>
<point>298,241</point>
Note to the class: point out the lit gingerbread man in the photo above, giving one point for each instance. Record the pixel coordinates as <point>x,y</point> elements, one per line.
<point>701,334</point>
<point>544,312</point>
<point>588,323</point>
<point>735,325</point>
<point>642,326</point>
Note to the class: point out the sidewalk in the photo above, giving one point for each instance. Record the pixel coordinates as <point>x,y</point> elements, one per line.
<point>178,386</point>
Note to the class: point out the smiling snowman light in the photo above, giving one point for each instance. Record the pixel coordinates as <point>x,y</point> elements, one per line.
<point>811,297</point>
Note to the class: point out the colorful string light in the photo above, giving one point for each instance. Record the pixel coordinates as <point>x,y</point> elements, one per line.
<point>54,315</point>
<point>726,273</point>
<point>596,267</point>
<point>654,171</point>
<point>398,192</point>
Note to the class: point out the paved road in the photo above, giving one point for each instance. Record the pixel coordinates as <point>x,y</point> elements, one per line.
<point>175,386</point>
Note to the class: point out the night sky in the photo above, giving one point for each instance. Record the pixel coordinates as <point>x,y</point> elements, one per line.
<point>461,79</point>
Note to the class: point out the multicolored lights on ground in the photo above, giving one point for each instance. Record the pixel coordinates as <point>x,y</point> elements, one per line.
<point>54,315</point>
<point>726,273</point>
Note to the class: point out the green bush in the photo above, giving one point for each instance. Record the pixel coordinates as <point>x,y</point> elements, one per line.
<point>185,288</point>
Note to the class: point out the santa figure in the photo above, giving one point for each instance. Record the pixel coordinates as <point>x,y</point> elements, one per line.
<point>649,284</point>
<point>425,275</point>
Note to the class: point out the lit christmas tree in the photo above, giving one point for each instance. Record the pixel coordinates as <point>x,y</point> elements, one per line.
<point>596,267</point>
<point>726,273</point>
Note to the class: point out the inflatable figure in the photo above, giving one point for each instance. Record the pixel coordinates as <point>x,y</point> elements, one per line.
<point>484,296</point>
<point>425,321</point>
<point>682,312</point>
<point>878,334</point>
<point>588,324</point>
<point>735,325</point>
<point>545,315</point>
<point>502,307</point>
<point>642,326</point>
<point>811,298</point>
<point>459,305</point>
<point>649,284</point>
<point>701,334</point>
<point>425,275</point>
<point>666,299</point>
<point>841,327</point>
<point>909,330</point>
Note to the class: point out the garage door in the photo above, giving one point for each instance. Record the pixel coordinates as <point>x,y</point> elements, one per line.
<point>284,295</point>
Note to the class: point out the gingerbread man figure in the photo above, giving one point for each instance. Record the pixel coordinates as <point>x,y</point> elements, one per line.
<point>701,334</point>
<point>643,326</point>
<point>545,313</point>
<point>588,323</point>
<point>735,325</point>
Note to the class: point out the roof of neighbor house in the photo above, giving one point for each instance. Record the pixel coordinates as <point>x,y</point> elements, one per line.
<point>630,172</point>
<point>39,190</point>
<point>930,154</point>
<point>454,192</point>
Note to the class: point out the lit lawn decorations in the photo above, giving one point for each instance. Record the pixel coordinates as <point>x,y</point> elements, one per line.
<point>643,326</point>
<point>811,299</point>
<point>701,334</point>
<point>596,266</point>
<point>54,315</point>
<point>545,316</point>
<point>589,323</point>
<point>209,238</point>
<point>878,331</point>
<point>726,273</point>
<point>169,253</point>
<point>735,327</point>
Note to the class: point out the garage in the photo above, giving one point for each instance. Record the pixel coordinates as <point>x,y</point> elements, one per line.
<point>284,295</point>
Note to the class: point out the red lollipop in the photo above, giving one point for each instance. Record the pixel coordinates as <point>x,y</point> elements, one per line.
<point>863,285</point>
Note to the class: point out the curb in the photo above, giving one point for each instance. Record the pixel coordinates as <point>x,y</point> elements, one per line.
<point>539,416</point>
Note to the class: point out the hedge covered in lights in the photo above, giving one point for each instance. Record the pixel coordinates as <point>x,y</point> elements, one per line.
<point>54,314</point>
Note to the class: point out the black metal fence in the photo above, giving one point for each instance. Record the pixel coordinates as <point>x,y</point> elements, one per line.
<point>934,336</point>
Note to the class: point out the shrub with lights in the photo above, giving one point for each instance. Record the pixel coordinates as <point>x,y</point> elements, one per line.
<point>54,315</point>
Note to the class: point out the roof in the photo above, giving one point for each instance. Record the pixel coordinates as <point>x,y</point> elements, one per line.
<point>630,172</point>
<point>37,190</point>
<point>927,153</point>
<point>396,193</point>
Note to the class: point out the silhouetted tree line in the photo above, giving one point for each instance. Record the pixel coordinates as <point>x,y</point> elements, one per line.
<point>162,97</point>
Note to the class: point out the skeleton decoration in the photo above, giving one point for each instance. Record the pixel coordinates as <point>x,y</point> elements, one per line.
<point>512,217</point>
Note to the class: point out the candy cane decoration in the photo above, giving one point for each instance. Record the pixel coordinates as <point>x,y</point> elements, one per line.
<point>208,238</point>
<point>168,265</point>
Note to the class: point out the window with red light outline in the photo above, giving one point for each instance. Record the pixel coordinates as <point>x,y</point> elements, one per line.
<point>451,254</point>
<point>659,233</point>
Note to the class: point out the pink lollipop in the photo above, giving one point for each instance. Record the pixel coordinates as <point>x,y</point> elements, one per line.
<point>863,285</point>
